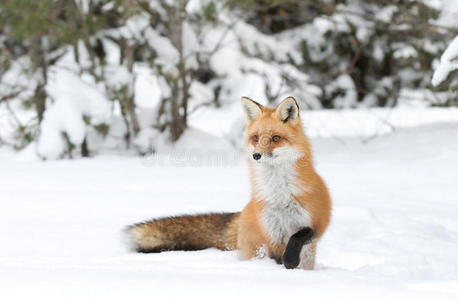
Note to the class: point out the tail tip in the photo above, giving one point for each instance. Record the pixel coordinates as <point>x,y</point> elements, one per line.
<point>141,239</point>
<point>131,237</point>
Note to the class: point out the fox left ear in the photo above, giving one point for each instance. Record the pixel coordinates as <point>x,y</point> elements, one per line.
<point>252,109</point>
<point>288,110</point>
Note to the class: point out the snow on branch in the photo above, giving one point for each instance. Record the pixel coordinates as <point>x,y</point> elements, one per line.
<point>448,63</point>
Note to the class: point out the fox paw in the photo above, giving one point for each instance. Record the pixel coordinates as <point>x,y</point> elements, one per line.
<point>291,256</point>
<point>291,262</point>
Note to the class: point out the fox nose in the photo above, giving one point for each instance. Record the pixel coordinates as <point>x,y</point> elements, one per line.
<point>256,156</point>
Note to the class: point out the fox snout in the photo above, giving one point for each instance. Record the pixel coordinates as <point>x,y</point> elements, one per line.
<point>262,147</point>
<point>266,156</point>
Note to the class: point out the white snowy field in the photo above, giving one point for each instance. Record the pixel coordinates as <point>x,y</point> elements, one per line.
<point>394,231</point>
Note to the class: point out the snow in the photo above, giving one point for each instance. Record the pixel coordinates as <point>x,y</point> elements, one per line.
<point>74,99</point>
<point>394,231</point>
<point>448,12</point>
<point>167,53</point>
<point>250,63</point>
<point>147,83</point>
<point>386,13</point>
<point>448,63</point>
<point>362,123</point>
<point>343,83</point>
<point>405,52</point>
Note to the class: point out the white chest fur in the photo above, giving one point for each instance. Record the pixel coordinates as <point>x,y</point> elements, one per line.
<point>276,185</point>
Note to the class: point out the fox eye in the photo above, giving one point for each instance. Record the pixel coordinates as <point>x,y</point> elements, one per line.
<point>276,138</point>
<point>255,138</point>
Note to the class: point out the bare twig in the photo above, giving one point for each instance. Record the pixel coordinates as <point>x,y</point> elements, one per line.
<point>9,96</point>
<point>13,114</point>
<point>195,108</point>
<point>355,58</point>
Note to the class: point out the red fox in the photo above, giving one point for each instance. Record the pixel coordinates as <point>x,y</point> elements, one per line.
<point>290,206</point>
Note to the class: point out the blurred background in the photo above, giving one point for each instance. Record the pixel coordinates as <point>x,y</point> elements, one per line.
<point>150,91</point>
<point>79,76</point>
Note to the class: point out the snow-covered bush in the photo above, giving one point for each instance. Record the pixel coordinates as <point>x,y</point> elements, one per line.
<point>128,74</point>
<point>77,106</point>
<point>359,52</point>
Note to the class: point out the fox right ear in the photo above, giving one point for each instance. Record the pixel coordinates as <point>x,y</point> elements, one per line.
<point>252,109</point>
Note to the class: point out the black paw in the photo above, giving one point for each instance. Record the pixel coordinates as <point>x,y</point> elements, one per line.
<point>291,261</point>
<point>293,249</point>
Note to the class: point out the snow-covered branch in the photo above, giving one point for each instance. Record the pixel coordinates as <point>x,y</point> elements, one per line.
<point>448,63</point>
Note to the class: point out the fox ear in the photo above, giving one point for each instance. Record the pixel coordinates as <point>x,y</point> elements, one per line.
<point>252,109</point>
<point>288,110</point>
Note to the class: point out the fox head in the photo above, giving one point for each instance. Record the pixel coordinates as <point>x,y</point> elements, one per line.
<point>274,135</point>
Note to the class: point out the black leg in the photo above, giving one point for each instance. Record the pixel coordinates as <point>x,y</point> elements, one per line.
<point>293,249</point>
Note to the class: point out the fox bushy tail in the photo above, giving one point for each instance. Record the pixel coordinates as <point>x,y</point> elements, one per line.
<point>189,232</point>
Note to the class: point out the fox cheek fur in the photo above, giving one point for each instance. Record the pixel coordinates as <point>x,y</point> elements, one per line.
<point>290,206</point>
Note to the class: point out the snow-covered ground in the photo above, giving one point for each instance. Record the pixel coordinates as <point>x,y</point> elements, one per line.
<point>394,232</point>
